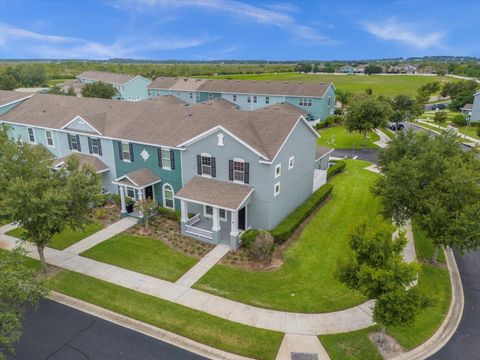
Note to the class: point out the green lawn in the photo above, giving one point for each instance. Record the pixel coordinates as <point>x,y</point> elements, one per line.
<point>54,82</point>
<point>388,85</point>
<point>152,257</point>
<point>424,246</point>
<point>350,346</point>
<point>306,281</point>
<point>339,138</point>
<point>67,237</point>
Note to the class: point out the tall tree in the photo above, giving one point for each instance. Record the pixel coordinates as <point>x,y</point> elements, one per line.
<point>99,89</point>
<point>365,114</point>
<point>343,97</point>
<point>461,92</point>
<point>42,201</point>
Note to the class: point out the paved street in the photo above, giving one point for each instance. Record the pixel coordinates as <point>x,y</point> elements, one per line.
<point>58,332</point>
<point>362,154</point>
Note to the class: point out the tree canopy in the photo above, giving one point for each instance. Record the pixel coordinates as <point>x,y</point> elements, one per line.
<point>461,92</point>
<point>99,89</point>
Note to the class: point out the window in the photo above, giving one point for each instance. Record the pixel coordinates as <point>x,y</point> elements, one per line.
<point>234,97</point>
<point>238,170</point>
<point>49,137</point>
<point>208,213</point>
<point>206,165</point>
<point>125,147</point>
<point>149,92</point>
<point>276,189</point>
<point>74,142</point>
<point>329,100</point>
<point>249,99</point>
<point>191,95</point>
<point>255,99</point>
<point>168,197</point>
<point>95,146</point>
<point>291,162</point>
<point>305,102</point>
<point>166,159</point>
<point>130,192</point>
<point>210,96</point>
<point>31,135</point>
<point>267,99</point>
<point>278,170</point>
<point>178,93</point>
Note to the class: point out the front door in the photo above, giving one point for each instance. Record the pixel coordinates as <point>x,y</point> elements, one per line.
<point>242,218</point>
<point>149,192</point>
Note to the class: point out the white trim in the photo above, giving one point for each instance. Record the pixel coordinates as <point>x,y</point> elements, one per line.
<point>33,134</point>
<point>138,76</point>
<point>15,101</point>
<point>46,138</point>
<point>291,162</point>
<point>163,196</point>
<point>279,167</point>
<point>275,193</point>
<point>238,160</point>
<point>204,203</point>
<point>78,117</point>
<point>211,216</point>
<point>321,157</point>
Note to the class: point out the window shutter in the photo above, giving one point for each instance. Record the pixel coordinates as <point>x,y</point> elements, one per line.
<point>214,167</point>
<point>246,179</point>
<point>159,155</point>
<point>199,164</point>
<point>172,159</point>
<point>130,145</point>
<point>120,153</point>
<point>230,169</point>
<point>99,141</point>
<point>78,144</point>
<point>90,145</point>
<point>69,142</point>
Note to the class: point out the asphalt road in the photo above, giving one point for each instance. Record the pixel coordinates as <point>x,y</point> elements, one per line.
<point>362,154</point>
<point>58,332</point>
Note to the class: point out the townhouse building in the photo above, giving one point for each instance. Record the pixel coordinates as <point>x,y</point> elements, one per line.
<point>315,98</point>
<point>225,170</point>
<point>475,112</point>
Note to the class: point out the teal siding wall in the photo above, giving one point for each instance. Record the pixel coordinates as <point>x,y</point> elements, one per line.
<point>135,90</point>
<point>476,108</point>
<point>172,177</point>
<point>320,109</point>
<point>7,108</point>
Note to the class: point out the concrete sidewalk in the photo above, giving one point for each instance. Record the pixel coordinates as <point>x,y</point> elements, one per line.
<point>202,267</point>
<point>384,139</point>
<point>303,346</point>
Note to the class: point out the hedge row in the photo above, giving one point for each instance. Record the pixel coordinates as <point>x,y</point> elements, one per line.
<point>283,231</point>
<point>337,168</point>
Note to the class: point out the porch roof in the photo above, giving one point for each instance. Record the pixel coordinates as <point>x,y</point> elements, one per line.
<point>98,165</point>
<point>322,151</point>
<point>138,179</point>
<point>222,194</point>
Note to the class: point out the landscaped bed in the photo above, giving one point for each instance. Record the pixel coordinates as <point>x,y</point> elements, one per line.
<point>306,282</point>
<point>339,138</point>
<point>67,237</point>
<point>142,254</point>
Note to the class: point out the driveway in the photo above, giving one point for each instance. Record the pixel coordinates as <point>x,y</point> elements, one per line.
<point>370,155</point>
<point>57,332</point>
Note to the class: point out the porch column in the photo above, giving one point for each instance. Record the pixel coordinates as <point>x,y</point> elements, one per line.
<point>184,211</point>
<point>122,199</point>
<point>216,219</point>
<point>140,198</point>
<point>234,224</point>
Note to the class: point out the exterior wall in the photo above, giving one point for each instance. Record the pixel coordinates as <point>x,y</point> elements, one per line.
<point>322,164</point>
<point>320,108</point>
<point>61,149</point>
<point>135,90</point>
<point>243,104</point>
<point>7,108</point>
<point>172,177</point>
<point>476,108</point>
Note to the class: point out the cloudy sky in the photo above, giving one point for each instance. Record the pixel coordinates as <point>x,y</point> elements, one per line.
<point>234,29</point>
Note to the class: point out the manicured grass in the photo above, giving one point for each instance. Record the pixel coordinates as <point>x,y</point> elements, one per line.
<point>389,133</point>
<point>67,237</point>
<point>350,346</point>
<point>389,85</point>
<point>469,130</point>
<point>424,246</point>
<point>306,282</point>
<point>142,254</point>
<point>339,138</point>
<point>54,82</point>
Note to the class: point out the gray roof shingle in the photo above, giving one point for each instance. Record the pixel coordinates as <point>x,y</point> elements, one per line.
<point>7,97</point>
<point>107,77</point>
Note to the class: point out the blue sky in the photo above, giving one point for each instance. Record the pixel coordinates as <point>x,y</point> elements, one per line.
<point>234,29</point>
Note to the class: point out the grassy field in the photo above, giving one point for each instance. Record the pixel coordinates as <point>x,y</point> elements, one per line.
<point>152,257</point>
<point>339,138</point>
<point>67,237</point>
<point>350,346</point>
<point>388,85</point>
<point>306,281</point>
<point>466,130</point>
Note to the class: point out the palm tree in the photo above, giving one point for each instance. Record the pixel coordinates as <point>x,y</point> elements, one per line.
<point>343,97</point>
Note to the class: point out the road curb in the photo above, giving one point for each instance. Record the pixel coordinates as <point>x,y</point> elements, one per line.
<point>144,328</point>
<point>451,322</point>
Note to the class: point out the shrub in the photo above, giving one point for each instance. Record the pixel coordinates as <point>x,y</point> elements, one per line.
<point>459,120</point>
<point>320,125</point>
<point>103,199</point>
<point>168,213</point>
<point>283,230</point>
<point>116,199</point>
<point>248,237</point>
<point>440,117</point>
<point>478,129</point>
<point>261,249</point>
<point>337,111</point>
<point>337,168</point>
<point>100,213</point>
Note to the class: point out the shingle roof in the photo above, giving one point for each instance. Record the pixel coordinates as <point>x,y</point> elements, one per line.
<point>7,97</point>
<point>107,77</point>
<point>139,178</point>
<point>294,88</point>
<point>321,151</point>
<point>161,122</point>
<point>226,195</point>
<point>98,165</point>
<point>467,107</point>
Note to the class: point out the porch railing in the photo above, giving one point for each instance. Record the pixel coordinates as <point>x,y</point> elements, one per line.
<point>199,232</point>
<point>193,220</point>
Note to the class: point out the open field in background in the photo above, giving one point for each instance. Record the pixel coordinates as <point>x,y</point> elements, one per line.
<point>389,85</point>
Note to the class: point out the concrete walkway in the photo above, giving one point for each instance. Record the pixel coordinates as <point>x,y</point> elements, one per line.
<point>202,267</point>
<point>101,235</point>
<point>384,139</point>
<point>301,347</point>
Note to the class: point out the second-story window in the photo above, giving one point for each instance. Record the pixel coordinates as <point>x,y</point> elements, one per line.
<point>239,171</point>
<point>249,99</point>
<point>206,165</point>
<point>191,95</point>
<point>95,146</point>
<point>267,99</point>
<point>210,96</point>
<point>329,100</point>
<point>125,150</point>
<point>255,99</point>
<point>31,135</point>
<point>49,137</point>
<point>234,97</point>
<point>166,159</point>
<point>74,142</point>
<point>305,102</point>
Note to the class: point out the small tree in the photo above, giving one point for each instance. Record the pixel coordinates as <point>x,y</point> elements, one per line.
<point>343,97</point>
<point>99,89</point>
<point>440,117</point>
<point>56,90</point>
<point>147,207</point>
<point>262,247</point>
<point>71,91</point>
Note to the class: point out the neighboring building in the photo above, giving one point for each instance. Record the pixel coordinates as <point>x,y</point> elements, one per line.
<point>402,69</point>
<point>129,87</point>
<point>231,169</point>
<point>346,69</point>
<point>10,99</point>
<point>476,108</point>
<point>316,99</point>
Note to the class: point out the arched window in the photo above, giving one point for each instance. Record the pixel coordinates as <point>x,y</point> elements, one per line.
<point>168,197</point>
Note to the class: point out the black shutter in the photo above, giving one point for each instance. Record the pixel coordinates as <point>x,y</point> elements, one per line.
<point>159,155</point>
<point>230,169</point>
<point>214,167</point>
<point>172,159</point>
<point>199,164</point>
<point>99,142</point>
<point>90,145</point>
<point>120,153</point>
<point>79,147</point>
<point>130,145</point>
<point>69,142</point>
<point>246,179</point>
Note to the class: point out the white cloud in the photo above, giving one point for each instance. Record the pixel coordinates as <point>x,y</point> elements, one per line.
<point>406,33</point>
<point>56,46</point>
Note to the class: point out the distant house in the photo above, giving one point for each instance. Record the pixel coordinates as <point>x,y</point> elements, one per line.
<point>360,69</point>
<point>402,69</point>
<point>346,69</point>
<point>476,108</point>
<point>129,87</point>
